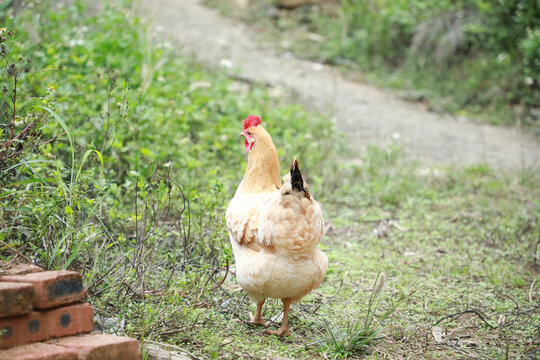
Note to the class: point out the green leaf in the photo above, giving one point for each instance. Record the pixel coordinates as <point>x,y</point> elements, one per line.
<point>60,121</point>
<point>85,156</point>
<point>4,4</point>
<point>146,152</point>
<point>74,253</point>
<point>16,208</point>
<point>64,126</point>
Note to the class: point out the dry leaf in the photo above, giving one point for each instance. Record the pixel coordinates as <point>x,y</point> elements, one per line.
<point>397,225</point>
<point>199,84</point>
<point>472,341</point>
<point>438,334</point>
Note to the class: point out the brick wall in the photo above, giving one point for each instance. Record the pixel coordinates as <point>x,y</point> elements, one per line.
<point>44,316</point>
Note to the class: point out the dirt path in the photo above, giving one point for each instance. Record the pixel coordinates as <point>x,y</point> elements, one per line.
<point>368,115</point>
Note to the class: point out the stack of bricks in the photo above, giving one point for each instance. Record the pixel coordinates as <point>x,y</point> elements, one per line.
<point>44,316</point>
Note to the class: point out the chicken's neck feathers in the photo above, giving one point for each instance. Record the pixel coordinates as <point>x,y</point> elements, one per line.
<point>262,172</point>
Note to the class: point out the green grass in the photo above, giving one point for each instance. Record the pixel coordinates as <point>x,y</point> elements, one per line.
<point>133,189</point>
<point>359,337</point>
<point>469,247</point>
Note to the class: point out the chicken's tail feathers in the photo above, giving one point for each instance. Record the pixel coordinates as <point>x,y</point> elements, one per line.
<point>297,182</point>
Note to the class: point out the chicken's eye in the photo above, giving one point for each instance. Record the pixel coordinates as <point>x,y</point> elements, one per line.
<point>249,133</point>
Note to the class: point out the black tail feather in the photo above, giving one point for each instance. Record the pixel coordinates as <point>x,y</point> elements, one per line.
<point>296,177</point>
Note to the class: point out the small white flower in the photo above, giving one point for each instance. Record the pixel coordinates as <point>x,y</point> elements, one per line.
<point>226,63</point>
<point>529,80</point>
<point>75,42</point>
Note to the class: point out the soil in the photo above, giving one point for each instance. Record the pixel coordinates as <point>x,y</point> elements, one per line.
<point>366,114</point>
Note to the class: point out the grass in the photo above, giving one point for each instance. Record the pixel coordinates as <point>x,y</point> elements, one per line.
<point>464,250</point>
<point>129,174</point>
<point>360,337</point>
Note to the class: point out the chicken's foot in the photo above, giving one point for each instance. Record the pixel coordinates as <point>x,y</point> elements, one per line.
<point>284,329</point>
<point>257,319</point>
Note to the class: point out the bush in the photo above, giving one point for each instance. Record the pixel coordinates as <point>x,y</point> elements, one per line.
<point>443,34</point>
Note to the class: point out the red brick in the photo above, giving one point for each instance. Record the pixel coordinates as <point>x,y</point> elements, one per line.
<point>15,299</point>
<point>102,347</point>
<point>17,269</point>
<point>39,351</point>
<point>53,288</point>
<point>43,325</point>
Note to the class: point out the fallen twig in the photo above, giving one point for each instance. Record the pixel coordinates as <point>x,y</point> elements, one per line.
<point>250,81</point>
<point>338,290</point>
<point>465,312</point>
<point>13,250</point>
<point>531,291</point>
<point>224,277</point>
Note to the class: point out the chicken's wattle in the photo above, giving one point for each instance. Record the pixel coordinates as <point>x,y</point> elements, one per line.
<point>248,142</point>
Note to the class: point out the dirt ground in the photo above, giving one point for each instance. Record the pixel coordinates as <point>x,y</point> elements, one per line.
<point>367,114</point>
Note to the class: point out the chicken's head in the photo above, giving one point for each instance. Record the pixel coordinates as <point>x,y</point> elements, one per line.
<point>250,122</point>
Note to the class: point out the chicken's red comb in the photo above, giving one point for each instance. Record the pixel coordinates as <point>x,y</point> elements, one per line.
<point>252,121</point>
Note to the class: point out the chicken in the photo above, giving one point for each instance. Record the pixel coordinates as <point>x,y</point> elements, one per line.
<point>274,229</point>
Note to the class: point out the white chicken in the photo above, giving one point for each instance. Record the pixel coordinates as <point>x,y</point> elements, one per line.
<point>274,229</point>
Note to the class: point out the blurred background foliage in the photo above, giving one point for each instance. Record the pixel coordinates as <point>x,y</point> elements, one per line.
<point>478,58</point>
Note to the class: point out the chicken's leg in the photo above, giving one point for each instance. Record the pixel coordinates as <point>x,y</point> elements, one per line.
<point>257,319</point>
<point>284,329</point>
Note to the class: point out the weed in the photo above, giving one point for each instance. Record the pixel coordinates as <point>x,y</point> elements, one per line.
<point>360,336</point>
